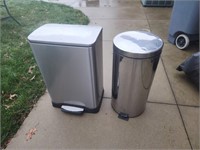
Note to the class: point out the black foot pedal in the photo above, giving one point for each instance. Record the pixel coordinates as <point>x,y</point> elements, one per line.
<point>123,116</point>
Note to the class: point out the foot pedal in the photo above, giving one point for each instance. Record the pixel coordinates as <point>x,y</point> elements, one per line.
<point>123,116</point>
<point>72,109</point>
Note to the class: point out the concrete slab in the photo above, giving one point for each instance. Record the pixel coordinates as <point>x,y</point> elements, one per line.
<point>109,3</point>
<point>119,3</point>
<point>97,3</point>
<point>160,28</point>
<point>159,127</point>
<point>112,27</point>
<point>158,13</point>
<point>160,90</point>
<point>123,13</point>
<point>185,91</point>
<point>107,67</point>
<point>191,120</point>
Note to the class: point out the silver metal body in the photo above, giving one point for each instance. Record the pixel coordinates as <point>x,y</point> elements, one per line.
<point>135,59</point>
<point>70,63</point>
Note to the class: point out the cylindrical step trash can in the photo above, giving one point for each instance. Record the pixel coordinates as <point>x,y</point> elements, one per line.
<point>135,58</point>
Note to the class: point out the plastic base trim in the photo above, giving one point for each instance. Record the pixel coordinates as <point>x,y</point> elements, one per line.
<point>87,110</point>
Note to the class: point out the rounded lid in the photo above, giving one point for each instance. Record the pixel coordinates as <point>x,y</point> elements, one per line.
<point>138,44</point>
<point>81,35</point>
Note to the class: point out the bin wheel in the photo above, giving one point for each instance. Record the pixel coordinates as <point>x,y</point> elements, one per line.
<point>182,41</point>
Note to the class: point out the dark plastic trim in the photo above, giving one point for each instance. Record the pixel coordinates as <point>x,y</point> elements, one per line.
<point>87,110</point>
<point>123,116</point>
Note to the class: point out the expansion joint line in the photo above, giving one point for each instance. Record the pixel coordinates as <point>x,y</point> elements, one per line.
<point>177,104</point>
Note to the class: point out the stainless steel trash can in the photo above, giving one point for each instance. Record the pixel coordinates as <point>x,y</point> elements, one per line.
<point>70,60</point>
<point>135,58</point>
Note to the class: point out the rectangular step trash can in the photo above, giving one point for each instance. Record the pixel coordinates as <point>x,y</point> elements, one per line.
<point>70,60</point>
<point>135,58</point>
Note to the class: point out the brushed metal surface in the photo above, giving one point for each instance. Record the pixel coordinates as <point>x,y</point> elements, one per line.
<point>98,67</point>
<point>69,73</point>
<point>70,60</point>
<point>66,34</point>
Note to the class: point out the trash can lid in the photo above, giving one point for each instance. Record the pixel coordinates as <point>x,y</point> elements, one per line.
<point>64,34</point>
<point>138,44</point>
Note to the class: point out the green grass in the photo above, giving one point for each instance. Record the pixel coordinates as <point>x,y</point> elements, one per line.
<point>17,58</point>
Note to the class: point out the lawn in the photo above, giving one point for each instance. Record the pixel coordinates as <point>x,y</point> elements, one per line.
<point>21,81</point>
